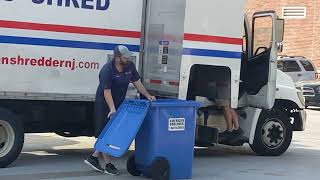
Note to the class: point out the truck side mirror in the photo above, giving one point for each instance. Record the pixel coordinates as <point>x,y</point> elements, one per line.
<point>279,30</point>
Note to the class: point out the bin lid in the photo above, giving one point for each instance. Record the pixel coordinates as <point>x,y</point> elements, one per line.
<point>118,134</point>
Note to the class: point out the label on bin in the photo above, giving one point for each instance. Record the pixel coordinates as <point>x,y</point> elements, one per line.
<point>176,124</point>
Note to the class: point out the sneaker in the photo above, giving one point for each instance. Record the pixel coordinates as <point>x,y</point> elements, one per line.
<point>237,136</point>
<point>224,136</point>
<point>93,162</point>
<point>238,132</point>
<point>111,170</point>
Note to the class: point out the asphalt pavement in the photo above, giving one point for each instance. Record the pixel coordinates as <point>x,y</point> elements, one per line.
<point>48,156</point>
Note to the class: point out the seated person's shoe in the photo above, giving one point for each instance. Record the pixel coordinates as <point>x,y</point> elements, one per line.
<point>238,132</point>
<point>224,136</point>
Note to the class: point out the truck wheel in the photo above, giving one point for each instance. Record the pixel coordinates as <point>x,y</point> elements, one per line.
<point>131,167</point>
<point>11,138</point>
<point>273,133</point>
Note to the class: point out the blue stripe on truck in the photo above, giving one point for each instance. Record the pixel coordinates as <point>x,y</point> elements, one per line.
<point>107,46</point>
<point>212,53</point>
<point>63,43</point>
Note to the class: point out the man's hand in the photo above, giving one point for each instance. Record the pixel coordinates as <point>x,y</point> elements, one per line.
<point>151,98</point>
<point>143,91</point>
<point>111,113</point>
<point>108,98</point>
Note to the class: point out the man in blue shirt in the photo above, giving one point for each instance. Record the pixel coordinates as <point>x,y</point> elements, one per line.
<point>114,79</point>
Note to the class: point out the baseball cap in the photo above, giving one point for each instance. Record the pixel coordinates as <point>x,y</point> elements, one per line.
<point>123,51</point>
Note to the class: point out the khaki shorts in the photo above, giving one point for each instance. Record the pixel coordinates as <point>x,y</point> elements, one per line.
<point>223,94</point>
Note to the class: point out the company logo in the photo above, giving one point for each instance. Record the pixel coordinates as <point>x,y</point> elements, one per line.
<point>101,5</point>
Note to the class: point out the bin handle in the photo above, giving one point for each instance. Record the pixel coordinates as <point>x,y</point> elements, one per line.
<point>113,147</point>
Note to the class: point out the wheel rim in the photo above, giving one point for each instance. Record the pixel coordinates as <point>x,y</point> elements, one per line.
<point>273,133</point>
<point>7,137</point>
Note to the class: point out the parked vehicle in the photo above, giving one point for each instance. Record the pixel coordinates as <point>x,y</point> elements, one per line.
<point>297,67</point>
<point>51,53</point>
<point>311,92</point>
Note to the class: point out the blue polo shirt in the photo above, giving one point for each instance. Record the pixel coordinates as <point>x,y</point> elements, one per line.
<point>117,82</point>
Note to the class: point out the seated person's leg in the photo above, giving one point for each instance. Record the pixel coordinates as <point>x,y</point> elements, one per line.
<point>231,117</point>
<point>235,120</point>
<point>228,117</point>
<point>227,134</point>
<point>233,127</point>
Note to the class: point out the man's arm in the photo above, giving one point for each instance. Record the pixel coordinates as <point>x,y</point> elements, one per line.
<point>142,90</point>
<point>108,98</point>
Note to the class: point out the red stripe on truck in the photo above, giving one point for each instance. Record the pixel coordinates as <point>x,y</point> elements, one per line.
<point>68,29</point>
<point>110,32</point>
<point>213,39</point>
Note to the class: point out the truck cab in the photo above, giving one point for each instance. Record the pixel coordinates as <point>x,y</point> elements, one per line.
<point>211,61</point>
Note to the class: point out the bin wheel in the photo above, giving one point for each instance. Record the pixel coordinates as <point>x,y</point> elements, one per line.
<point>131,166</point>
<point>160,169</point>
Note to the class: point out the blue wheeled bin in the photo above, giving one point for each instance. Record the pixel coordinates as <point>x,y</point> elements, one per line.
<point>164,145</point>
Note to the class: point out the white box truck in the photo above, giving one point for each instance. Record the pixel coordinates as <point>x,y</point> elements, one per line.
<point>51,52</point>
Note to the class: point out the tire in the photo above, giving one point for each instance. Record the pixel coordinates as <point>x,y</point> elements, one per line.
<point>160,169</point>
<point>273,133</point>
<point>131,167</point>
<point>11,138</point>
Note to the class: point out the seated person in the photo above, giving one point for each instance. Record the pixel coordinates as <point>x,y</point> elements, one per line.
<point>231,117</point>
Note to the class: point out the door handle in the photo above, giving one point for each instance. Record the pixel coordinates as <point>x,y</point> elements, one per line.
<point>299,75</point>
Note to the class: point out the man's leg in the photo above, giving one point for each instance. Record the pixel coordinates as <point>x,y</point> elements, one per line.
<point>107,159</point>
<point>110,168</point>
<point>99,123</point>
<point>102,120</point>
<point>93,161</point>
<point>96,154</point>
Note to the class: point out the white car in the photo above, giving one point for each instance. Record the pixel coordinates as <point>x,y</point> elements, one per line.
<point>297,67</point>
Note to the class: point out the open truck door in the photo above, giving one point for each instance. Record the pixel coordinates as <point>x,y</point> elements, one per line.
<point>266,41</point>
<point>162,46</point>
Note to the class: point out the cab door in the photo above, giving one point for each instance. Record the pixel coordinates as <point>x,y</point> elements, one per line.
<point>266,42</point>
